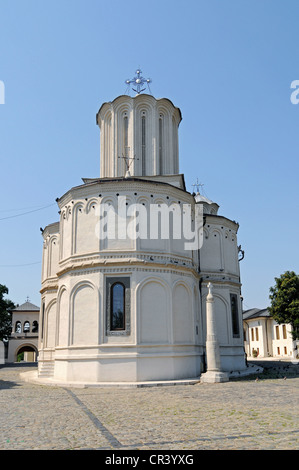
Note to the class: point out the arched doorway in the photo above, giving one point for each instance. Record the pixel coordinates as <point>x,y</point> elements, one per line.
<point>26,353</point>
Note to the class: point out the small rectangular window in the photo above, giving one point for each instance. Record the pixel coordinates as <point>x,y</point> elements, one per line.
<point>257,334</point>
<point>277,332</point>
<point>284,331</point>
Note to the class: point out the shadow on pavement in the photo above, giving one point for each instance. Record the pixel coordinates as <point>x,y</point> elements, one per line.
<point>273,369</point>
<point>18,364</point>
<point>7,384</point>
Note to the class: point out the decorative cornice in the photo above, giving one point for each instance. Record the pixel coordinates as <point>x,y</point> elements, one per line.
<point>48,288</point>
<point>93,188</point>
<point>128,264</point>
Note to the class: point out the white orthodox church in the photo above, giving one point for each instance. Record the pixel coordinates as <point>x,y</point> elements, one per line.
<point>126,269</point>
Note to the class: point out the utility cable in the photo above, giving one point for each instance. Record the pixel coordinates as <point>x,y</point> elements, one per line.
<point>18,265</point>
<point>28,212</point>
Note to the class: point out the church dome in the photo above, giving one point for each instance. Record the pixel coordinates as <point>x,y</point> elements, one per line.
<point>209,207</point>
<point>200,198</point>
<point>139,136</point>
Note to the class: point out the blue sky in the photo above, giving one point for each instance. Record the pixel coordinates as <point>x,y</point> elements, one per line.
<point>227,64</point>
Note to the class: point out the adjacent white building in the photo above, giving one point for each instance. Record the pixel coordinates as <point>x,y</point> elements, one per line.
<point>123,285</point>
<point>263,337</point>
<point>23,341</point>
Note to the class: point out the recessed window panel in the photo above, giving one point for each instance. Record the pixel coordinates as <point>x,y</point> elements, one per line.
<point>235,315</point>
<point>118,306</point>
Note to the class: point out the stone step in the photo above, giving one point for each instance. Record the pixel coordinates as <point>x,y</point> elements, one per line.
<point>46,369</point>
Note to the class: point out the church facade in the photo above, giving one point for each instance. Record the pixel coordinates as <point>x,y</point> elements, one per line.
<point>126,268</point>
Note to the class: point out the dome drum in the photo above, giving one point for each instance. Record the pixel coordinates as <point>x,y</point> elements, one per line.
<point>139,136</point>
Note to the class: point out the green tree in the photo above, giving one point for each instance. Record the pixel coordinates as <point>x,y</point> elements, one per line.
<point>6,306</point>
<point>284,298</point>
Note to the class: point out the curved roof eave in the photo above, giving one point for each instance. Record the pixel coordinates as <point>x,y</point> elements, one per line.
<point>137,97</point>
<point>121,179</point>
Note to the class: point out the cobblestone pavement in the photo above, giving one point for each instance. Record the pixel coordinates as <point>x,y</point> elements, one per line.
<point>242,414</point>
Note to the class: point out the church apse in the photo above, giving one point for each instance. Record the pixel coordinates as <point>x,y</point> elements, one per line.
<point>124,304</point>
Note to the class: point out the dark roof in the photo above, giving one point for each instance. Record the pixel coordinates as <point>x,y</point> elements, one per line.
<point>256,313</point>
<point>27,307</point>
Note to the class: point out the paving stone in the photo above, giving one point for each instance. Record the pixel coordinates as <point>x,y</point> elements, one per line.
<point>240,414</point>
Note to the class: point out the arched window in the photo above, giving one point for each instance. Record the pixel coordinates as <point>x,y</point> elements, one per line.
<point>143,144</point>
<point>126,141</point>
<point>26,327</point>
<point>117,307</point>
<point>35,327</point>
<point>18,327</point>
<point>161,144</point>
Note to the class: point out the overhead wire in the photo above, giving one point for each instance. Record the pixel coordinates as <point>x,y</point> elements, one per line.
<point>27,212</point>
<point>18,215</point>
<point>19,209</point>
<point>18,265</point>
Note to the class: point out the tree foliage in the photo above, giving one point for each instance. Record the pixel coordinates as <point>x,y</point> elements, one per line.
<point>284,298</point>
<point>6,306</point>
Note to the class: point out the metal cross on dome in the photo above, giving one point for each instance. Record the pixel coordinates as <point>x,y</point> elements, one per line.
<point>138,81</point>
<point>198,185</point>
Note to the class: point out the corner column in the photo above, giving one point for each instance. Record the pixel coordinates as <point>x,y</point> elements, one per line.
<point>214,373</point>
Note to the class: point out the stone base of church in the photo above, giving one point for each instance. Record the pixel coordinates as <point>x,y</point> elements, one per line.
<point>132,366</point>
<point>32,377</point>
<point>214,377</point>
<point>126,370</point>
<point>117,365</point>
